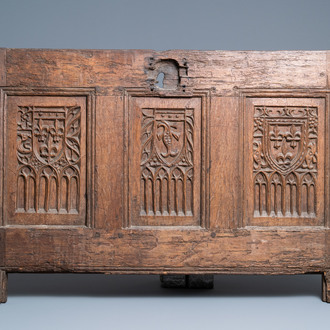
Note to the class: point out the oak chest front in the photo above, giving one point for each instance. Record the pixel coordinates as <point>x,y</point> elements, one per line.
<point>171,163</point>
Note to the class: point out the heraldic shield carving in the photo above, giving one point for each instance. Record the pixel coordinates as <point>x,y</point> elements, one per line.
<point>169,136</point>
<point>48,135</point>
<point>167,159</point>
<point>285,143</point>
<point>285,161</point>
<point>48,155</point>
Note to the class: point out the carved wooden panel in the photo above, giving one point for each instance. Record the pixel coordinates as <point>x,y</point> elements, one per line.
<point>206,162</point>
<point>46,160</point>
<point>285,176</point>
<point>165,146</point>
<point>167,162</point>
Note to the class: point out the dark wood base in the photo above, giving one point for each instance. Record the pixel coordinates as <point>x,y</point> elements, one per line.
<point>173,281</point>
<point>3,286</point>
<point>326,287</point>
<point>187,281</point>
<point>200,281</point>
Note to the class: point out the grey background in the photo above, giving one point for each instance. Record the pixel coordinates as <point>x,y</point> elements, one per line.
<point>68,301</point>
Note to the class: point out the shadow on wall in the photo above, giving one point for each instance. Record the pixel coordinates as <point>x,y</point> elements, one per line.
<point>95,285</point>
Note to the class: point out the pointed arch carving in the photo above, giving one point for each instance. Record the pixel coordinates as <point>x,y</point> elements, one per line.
<point>285,142</point>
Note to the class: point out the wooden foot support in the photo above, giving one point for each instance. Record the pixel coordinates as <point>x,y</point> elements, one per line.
<point>187,281</point>
<point>326,287</point>
<point>173,281</point>
<point>3,286</point>
<point>200,281</point>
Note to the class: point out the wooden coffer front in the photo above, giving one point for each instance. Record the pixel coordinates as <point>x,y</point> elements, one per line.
<point>174,162</point>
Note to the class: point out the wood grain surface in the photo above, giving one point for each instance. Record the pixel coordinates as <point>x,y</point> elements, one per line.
<point>3,286</point>
<point>174,162</point>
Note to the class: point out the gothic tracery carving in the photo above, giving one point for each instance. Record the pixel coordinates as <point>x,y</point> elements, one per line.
<point>167,162</point>
<point>285,161</point>
<point>48,159</point>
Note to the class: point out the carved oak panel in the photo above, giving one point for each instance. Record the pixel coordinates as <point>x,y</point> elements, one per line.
<point>194,162</point>
<point>46,160</point>
<point>284,179</point>
<point>167,162</point>
<point>164,141</point>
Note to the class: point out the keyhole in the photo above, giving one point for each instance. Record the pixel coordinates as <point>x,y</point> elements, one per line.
<point>160,80</point>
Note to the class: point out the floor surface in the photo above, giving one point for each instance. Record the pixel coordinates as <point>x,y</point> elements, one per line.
<point>71,301</point>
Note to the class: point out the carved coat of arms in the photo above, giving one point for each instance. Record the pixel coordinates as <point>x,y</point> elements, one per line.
<point>48,151</point>
<point>285,161</point>
<point>284,138</point>
<point>285,144</point>
<point>48,135</point>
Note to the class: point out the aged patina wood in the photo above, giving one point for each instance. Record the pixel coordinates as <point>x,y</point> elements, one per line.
<point>3,286</point>
<point>185,163</point>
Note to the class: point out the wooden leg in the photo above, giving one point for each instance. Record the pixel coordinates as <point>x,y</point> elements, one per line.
<point>200,281</point>
<point>187,281</point>
<point>173,281</point>
<point>326,287</point>
<point>3,286</point>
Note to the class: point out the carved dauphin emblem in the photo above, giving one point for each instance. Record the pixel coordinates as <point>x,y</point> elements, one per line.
<point>167,161</point>
<point>167,137</point>
<point>170,136</point>
<point>167,74</point>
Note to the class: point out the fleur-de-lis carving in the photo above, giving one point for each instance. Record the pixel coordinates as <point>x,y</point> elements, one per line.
<point>276,136</point>
<point>41,131</point>
<point>293,136</point>
<point>290,148</point>
<point>56,132</point>
<point>49,136</point>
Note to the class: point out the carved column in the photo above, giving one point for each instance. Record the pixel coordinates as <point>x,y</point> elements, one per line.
<point>326,287</point>
<point>3,286</point>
